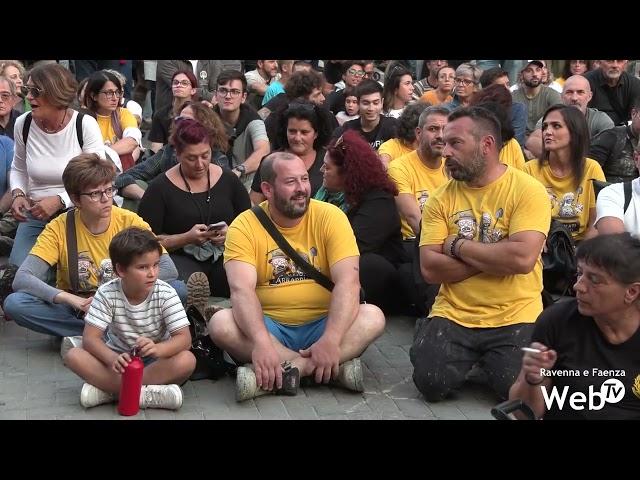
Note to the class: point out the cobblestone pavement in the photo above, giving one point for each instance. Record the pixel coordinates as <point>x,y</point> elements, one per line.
<point>34,384</point>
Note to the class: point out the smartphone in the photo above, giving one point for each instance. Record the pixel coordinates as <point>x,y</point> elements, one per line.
<point>217,226</point>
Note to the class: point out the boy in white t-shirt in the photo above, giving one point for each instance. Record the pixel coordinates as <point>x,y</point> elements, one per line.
<point>134,310</point>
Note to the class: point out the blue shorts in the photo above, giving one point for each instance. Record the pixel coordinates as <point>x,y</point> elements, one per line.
<point>299,337</point>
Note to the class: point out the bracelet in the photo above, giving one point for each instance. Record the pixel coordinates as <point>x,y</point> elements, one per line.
<point>526,379</point>
<point>16,195</point>
<point>452,249</point>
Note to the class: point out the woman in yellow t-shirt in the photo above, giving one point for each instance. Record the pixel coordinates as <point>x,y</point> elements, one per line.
<point>565,171</point>
<point>118,126</point>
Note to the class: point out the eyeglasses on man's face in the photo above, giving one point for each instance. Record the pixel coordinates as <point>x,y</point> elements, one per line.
<point>223,92</point>
<point>464,81</point>
<point>96,195</point>
<point>181,83</point>
<point>111,93</point>
<point>30,89</point>
<point>5,96</point>
<point>356,73</point>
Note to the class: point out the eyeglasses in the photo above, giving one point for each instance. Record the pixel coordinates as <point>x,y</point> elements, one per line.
<point>30,89</point>
<point>222,91</point>
<point>356,73</point>
<point>182,83</point>
<point>465,81</point>
<point>97,194</point>
<point>5,97</point>
<point>111,93</point>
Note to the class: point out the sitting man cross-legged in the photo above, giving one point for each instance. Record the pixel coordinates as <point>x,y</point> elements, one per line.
<point>482,234</point>
<point>283,322</point>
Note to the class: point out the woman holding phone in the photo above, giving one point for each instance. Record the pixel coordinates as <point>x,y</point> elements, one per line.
<point>191,204</point>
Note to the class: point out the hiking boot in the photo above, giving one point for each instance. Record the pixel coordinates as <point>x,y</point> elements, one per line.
<point>161,396</point>
<point>246,385</point>
<point>6,244</point>
<point>350,375</point>
<point>210,311</point>
<point>198,291</point>
<point>68,343</point>
<point>91,396</point>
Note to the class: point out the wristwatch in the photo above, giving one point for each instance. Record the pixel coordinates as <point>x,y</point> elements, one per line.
<point>240,168</point>
<point>17,194</point>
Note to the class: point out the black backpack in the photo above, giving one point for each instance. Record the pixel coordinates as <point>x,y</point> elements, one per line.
<point>598,185</point>
<point>27,126</point>
<point>559,261</point>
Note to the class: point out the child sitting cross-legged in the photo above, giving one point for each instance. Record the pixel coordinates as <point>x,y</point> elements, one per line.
<point>136,309</point>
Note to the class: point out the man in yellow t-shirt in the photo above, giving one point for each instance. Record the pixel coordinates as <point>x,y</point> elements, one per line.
<point>482,234</point>
<point>420,172</point>
<point>282,321</point>
<point>57,311</point>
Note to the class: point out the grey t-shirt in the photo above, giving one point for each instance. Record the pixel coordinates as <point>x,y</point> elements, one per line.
<point>537,105</point>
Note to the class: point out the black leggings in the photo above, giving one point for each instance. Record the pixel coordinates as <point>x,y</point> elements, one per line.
<point>186,265</point>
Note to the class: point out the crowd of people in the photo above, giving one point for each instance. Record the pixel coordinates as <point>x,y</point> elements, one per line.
<point>322,197</point>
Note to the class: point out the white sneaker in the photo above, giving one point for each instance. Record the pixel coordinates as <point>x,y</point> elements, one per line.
<point>68,343</point>
<point>91,396</point>
<point>350,375</point>
<point>161,396</point>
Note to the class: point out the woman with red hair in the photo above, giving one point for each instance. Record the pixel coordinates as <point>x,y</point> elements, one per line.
<point>352,167</point>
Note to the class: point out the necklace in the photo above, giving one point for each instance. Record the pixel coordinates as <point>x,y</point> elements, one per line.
<point>54,130</point>
<point>203,219</point>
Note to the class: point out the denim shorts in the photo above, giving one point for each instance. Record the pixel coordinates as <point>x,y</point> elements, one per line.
<point>296,337</point>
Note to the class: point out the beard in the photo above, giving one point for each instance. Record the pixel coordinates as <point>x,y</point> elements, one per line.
<point>532,83</point>
<point>466,173</point>
<point>288,208</point>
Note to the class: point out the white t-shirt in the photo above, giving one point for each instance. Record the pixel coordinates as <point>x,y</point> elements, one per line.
<point>610,203</point>
<point>37,170</point>
<point>156,318</point>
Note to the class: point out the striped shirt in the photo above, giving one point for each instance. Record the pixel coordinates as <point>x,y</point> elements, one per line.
<point>156,318</point>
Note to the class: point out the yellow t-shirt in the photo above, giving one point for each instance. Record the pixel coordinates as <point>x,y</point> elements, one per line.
<point>94,264</point>
<point>513,203</point>
<point>127,120</point>
<point>415,178</point>
<point>394,148</point>
<point>511,154</point>
<point>431,97</point>
<point>323,238</point>
<point>569,204</point>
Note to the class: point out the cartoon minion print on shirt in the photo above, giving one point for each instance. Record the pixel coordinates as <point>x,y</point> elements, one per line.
<point>466,223</point>
<point>487,231</point>
<point>285,269</point>
<point>422,198</point>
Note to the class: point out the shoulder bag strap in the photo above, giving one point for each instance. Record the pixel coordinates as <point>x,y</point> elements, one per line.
<point>306,267</point>
<point>627,195</point>
<point>72,251</point>
<point>26,126</point>
<point>79,129</point>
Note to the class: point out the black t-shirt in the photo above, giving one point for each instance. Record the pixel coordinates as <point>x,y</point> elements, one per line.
<point>160,123</point>
<point>376,226</point>
<point>170,210</point>
<point>583,349</point>
<point>385,130</point>
<point>335,101</point>
<point>315,175</point>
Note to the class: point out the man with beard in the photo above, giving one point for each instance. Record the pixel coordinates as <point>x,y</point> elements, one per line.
<point>490,273</point>
<point>534,95</point>
<point>421,171</point>
<point>290,326</point>
<point>614,90</point>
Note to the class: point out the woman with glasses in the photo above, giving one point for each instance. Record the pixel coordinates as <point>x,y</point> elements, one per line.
<point>566,172</point>
<point>592,339</point>
<point>184,88</point>
<point>398,92</point>
<point>8,114</point>
<point>132,183</point>
<point>15,71</point>
<point>303,131</point>
<point>190,206</point>
<point>52,140</point>
<point>465,84</point>
<point>352,168</point>
<point>118,126</point>
<point>59,310</point>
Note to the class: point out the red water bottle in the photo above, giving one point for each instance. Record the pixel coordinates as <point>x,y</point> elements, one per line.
<point>129,403</point>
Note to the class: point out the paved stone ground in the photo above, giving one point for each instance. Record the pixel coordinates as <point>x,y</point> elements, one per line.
<point>34,384</point>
